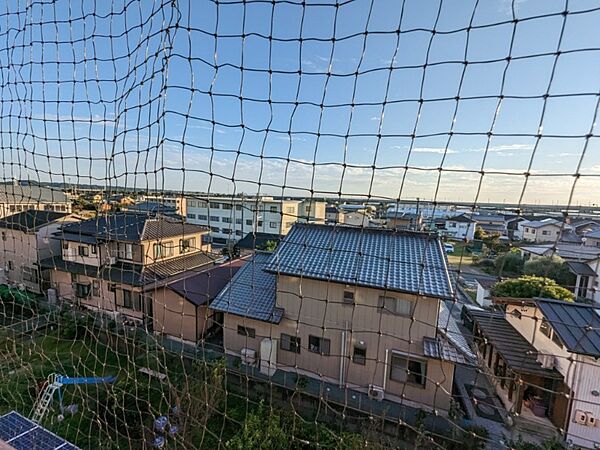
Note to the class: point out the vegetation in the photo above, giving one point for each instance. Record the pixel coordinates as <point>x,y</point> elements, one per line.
<point>269,246</point>
<point>529,287</point>
<point>510,263</point>
<point>551,267</point>
<point>521,444</point>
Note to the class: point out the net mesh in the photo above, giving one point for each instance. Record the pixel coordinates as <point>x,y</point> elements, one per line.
<point>193,209</point>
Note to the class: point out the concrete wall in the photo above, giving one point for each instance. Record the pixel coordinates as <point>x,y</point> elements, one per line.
<point>18,251</point>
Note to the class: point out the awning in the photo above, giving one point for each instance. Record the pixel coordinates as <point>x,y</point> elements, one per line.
<point>579,268</point>
<point>518,354</point>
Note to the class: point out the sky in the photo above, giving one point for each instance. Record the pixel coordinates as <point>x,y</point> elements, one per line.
<point>362,99</point>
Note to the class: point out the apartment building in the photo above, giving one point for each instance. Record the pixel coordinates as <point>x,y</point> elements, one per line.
<point>358,308</point>
<point>26,239</point>
<point>108,262</point>
<point>232,218</point>
<point>177,203</point>
<point>16,198</point>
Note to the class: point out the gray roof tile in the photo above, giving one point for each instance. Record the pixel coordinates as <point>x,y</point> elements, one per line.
<point>401,261</point>
<point>251,293</point>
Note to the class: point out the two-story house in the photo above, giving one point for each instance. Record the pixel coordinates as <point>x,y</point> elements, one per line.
<point>358,308</point>
<point>106,262</point>
<point>565,343</point>
<point>25,239</point>
<point>546,230</point>
<point>460,227</point>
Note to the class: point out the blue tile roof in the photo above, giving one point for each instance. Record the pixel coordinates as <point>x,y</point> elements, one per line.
<point>403,261</point>
<point>251,292</point>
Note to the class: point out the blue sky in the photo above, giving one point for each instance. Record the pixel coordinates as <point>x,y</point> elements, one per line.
<point>162,114</point>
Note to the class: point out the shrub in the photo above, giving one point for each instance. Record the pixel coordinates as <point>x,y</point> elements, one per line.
<point>510,262</point>
<point>530,286</point>
<point>550,267</point>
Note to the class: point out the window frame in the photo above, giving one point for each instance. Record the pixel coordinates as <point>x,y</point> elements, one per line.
<point>294,343</point>
<point>245,331</point>
<point>349,297</point>
<point>386,298</point>
<point>359,359</point>
<point>319,345</point>
<point>407,371</point>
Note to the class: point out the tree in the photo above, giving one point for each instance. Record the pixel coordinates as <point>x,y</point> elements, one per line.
<point>551,267</point>
<point>510,262</point>
<point>479,233</point>
<point>261,430</point>
<point>270,246</point>
<point>530,286</point>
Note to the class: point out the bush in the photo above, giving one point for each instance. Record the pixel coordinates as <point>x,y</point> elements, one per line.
<point>529,287</point>
<point>550,267</point>
<point>510,262</point>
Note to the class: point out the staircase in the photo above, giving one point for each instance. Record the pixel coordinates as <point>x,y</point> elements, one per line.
<point>43,403</point>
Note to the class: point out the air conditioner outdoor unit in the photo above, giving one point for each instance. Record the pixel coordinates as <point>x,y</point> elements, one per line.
<point>248,356</point>
<point>376,392</point>
<point>547,361</point>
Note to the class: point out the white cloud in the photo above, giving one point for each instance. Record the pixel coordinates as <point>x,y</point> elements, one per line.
<point>436,150</point>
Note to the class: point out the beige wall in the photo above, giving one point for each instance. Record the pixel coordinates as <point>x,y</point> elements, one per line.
<point>105,301</point>
<point>18,252</point>
<point>321,312</point>
<point>177,317</point>
<point>148,247</point>
<point>537,234</point>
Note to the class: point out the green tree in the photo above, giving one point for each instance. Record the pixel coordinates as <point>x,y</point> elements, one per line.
<point>262,430</point>
<point>509,263</point>
<point>270,246</point>
<point>479,233</point>
<point>551,267</point>
<point>530,286</point>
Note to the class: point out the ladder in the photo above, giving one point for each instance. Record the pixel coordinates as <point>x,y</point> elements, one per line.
<point>43,403</point>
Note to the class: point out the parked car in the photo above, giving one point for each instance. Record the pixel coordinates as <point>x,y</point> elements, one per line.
<point>449,247</point>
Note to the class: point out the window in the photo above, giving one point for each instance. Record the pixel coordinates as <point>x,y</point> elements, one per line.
<point>260,223</point>
<point>545,328</point>
<point>348,297</point>
<point>202,217</point>
<point>84,250</point>
<point>226,230</point>
<point>187,245</point>
<point>545,232</point>
<point>247,332</point>
<point>238,207</point>
<point>410,371</point>
<point>94,249</point>
<point>239,233</point>
<point>125,250</point>
<point>226,219</point>
<point>74,277</point>
<point>131,300</point>
<point>399,306</point>
<point>10,265</point>
<point>359,356</point>
<point>238,221</point>
<point>112,287</point>
<point>191,204</point>
<point>290,210</point>
<point>215,229</point>
<point>226,206</point>
<point>290,343</point>
<point>318,344</point>
<point>96,288</point>
<point>516,314</point>
<point>30,274</point>
<point>248,221</point>
<point>214,205</point>
<point>273,224</point>
<point>191,216</point>
<point>556,339</point>
<point>273,209</point>
<point>214,219</point>
<point>82,290</point>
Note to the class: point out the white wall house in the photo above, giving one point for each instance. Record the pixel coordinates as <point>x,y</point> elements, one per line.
<point>555,328</point>
<point>460,227</point>
<point>547,230</point>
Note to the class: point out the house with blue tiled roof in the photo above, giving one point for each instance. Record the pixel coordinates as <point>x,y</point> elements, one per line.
<point>361,308</point>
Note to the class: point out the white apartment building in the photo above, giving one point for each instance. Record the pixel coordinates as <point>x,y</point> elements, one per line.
<point>232,218</point>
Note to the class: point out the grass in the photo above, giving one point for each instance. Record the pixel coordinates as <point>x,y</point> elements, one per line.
<point>461,256</point>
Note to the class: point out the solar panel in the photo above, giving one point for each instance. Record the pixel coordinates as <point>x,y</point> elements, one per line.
<point>23,434</point>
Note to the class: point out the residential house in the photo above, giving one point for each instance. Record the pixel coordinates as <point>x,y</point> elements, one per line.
<point>180,307</point>
<point>358,308</point>
<point>356,215</point>
<point>565,338</point>
<point>460,227</point>
<point>491,223</point>
<point>484,286</point>
<point>540,231</point>
<point>592,238</point>
<point>333,215</point>
<point>403,221</point>
<point>26,238</point>
<point>16,198</point>
<point>257,241</point>
<point>232,218</point>
<point>107,262</point>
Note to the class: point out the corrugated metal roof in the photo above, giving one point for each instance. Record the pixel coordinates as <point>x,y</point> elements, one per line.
<point>251,293</point>
<point>9,193</point>
<point>579,268</point>
<point>401,261</point>
<point>577,325</point>
<point>517,352</point>
<point>31,220</point>
<point>444,350</point>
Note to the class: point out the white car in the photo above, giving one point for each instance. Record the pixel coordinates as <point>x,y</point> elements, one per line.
<point>449,247</point>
